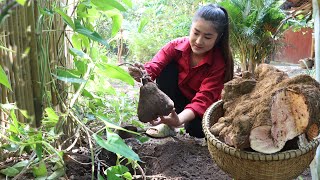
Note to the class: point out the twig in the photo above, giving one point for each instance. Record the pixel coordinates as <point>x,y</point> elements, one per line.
<point>33,156</point>
<point>77,135</point>
<point>143,175</point>
<point>149,177</point>
<point>92,153</point>
<point>77,160</point>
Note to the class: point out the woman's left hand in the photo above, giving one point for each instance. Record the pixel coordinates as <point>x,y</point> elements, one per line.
<point>172,120</point>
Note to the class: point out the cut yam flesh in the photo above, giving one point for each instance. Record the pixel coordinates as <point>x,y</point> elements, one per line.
<point>289,118</point>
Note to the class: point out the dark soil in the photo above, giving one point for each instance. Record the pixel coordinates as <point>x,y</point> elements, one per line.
<point>174,158</point>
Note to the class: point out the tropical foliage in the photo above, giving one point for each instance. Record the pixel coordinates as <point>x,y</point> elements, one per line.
<point>158,22</point>
<point>253,27</point>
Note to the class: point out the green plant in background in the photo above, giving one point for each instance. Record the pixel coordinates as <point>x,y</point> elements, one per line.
<point>3,79</point>
<point>21,138</point>
<point>156,25</point>
<point>253,27</point>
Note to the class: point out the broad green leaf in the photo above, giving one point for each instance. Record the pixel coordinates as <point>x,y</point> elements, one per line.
<point>41,170</point>
<point>67,76</point>
<point>82,67</point>
<point>65,17</point>
<point>115,144</point>
<point>127,175</point>
<point>22,2</point>
<point>100,177</point>
<point>77,52</point>
<point>116,72</point>
<point>144,21</point>
<point>20,165</point>
<point>46,11</point>
<point>101,4</point>
<point>4,79</point>
<point>85,92</point>
<point>113,126</point>
<point>10,147</point>
<point>142,139</point>
<point>116,172</point>
<point>82,11</point>
<point>116,24</point>
<point>56,174</point>
<point>90,34</point>
<point>39,150</point>
<point>10,171</point>
<point>25,114</point>
<point>117,18</point>
<point>76,40</point>
<point>128,3</point>
<point>51,114</point>
<point>14,119</point>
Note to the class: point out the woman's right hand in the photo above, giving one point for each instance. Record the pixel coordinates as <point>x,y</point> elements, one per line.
<point>136,71</point>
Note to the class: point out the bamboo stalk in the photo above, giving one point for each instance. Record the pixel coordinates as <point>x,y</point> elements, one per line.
<point>16,63</point>
<point>26,61</point>
<point>34,62</point>
<point>20,61</point>
<point>9,42</point>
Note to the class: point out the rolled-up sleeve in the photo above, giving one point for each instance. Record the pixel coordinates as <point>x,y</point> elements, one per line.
<point>160,60</point>
<point>209,92</point>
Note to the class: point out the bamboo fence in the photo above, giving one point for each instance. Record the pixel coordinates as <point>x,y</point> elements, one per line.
<point>37,44</point>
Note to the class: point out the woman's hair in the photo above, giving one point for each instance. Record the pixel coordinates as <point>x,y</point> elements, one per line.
<point>219,18</point>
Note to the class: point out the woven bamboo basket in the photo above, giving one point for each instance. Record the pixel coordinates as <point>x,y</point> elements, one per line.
<point>254,165</point>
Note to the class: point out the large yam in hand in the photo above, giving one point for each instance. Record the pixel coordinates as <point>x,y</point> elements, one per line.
<point>153,103</point>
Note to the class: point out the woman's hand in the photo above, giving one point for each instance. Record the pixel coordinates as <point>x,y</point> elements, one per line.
<point>171,120</point>
<point>137,71</point>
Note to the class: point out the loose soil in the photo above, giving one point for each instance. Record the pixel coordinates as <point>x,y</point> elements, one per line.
<point>174,158</point>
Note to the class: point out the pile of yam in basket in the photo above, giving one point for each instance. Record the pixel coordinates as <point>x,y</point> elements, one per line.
<point>268,111</point>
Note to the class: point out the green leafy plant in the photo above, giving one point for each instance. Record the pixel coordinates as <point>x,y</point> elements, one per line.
<point>253,29</point>
<point>154,26</point>
<point>21,138</point>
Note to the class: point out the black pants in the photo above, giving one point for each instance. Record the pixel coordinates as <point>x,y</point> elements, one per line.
<point>168,83</point>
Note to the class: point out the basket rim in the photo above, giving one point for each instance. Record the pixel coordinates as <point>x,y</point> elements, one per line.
<point>251,155</point>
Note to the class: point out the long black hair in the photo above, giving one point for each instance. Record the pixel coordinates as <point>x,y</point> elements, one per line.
<point>219,17</point>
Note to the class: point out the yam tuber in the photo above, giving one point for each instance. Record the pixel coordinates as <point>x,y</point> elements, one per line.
<point>153,102</point>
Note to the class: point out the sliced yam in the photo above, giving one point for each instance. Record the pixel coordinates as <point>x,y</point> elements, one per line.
<point>262,141</point>
<point>289,115</point>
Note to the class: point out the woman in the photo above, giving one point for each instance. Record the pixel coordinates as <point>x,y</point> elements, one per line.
<point>192,70</point>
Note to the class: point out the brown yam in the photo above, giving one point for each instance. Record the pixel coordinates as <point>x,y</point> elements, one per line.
<point>153,103</point>
<point>217,127</point>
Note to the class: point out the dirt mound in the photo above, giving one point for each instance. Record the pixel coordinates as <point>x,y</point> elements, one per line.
<point>180,157</point>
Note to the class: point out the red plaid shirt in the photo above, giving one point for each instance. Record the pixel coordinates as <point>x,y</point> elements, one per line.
<point>201,84</point>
